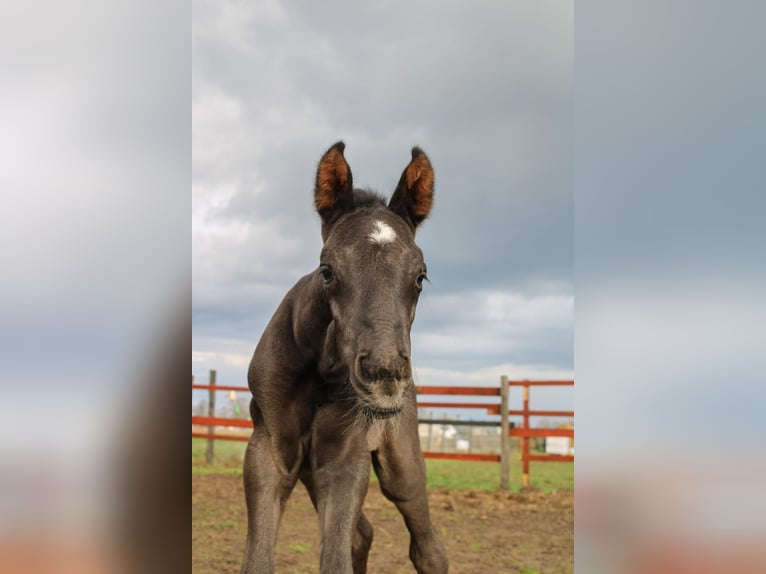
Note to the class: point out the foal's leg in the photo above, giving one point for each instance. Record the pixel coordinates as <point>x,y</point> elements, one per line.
<point>362,534</point>
<point>267,488</point>
<point>401,472</point>
<point>362,543</point>
<point>340,470</point>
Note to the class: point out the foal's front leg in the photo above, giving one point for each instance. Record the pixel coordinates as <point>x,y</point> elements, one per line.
<point>267,487</point>
<point>362,536</point>
<point>340,468</point>
<point>402,475</point>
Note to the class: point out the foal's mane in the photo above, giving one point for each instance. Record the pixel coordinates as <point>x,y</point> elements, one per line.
<point>368,198</point>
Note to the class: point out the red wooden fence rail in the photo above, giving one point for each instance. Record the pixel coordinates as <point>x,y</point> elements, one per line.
<point>501,408</point>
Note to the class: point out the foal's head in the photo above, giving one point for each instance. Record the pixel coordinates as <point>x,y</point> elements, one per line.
<point>370,276</point>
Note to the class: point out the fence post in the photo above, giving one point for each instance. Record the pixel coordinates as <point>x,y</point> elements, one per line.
<point>210,413</point>
<point>504,438</point>
<point>525,440</point>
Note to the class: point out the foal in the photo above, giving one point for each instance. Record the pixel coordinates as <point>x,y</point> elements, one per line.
<point>331,378</point>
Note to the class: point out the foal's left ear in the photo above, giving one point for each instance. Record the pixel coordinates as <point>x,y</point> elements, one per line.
<point>414,195</point>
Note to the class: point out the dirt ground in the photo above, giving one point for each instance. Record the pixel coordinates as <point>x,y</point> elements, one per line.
<point>487,532</point>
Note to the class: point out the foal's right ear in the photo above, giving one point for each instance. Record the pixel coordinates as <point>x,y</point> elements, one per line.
<point>333,191</point>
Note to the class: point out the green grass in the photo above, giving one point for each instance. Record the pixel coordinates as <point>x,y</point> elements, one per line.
<point>227,455</point>
<point>452,474</point>
<point>469,475</point>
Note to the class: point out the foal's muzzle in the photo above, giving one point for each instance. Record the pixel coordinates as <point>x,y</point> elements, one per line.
<point>381,383</point>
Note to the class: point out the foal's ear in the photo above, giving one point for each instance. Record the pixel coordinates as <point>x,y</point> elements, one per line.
<point>333,191</point>
<point>414,194</point>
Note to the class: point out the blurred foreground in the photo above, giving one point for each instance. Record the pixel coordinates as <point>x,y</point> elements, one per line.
<point>95,291</point>
<point>670,516</point>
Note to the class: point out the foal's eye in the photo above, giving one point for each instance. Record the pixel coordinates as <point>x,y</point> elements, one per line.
<point>419,282</point>
<point>327,274</point>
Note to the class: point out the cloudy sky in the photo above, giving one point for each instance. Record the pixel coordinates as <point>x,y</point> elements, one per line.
<point>486,92</point>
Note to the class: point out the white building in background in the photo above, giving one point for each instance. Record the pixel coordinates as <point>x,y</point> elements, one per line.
<point>558,445</point>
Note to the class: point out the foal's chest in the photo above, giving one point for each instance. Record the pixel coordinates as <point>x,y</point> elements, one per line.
<point>377,433</point>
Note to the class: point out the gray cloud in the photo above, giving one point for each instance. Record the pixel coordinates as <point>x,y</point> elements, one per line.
<point>485,90</point>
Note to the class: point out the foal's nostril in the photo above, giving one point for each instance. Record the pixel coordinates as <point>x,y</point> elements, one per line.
<point>361,364</point>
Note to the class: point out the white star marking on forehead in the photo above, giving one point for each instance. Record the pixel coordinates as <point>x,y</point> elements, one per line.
<point>382,233</point>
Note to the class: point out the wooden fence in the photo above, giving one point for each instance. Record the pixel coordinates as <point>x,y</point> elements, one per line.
<point>489,402</point>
